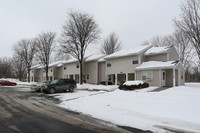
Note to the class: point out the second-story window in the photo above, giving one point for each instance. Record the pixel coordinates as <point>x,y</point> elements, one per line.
<point>77,65</point>
<point>65,68</point>
<point>51,70</point>
<point>135,60</point>
<point>109,63</point>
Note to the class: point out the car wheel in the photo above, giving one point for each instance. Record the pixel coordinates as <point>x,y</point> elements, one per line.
<point>1,85</point>
<point>52,90</point>
<point>71,89</point>
<point>13,84</point>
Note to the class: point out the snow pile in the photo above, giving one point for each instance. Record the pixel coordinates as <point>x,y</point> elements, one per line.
<point>97,87</point>
<point>135,82</point>
<point>177,107</point>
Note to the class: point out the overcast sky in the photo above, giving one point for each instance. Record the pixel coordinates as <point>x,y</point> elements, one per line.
<point>133,20</point>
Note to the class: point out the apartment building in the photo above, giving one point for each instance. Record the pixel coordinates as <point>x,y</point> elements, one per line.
<point>159,66</point>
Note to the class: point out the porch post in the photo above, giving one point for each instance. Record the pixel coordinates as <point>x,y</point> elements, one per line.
<point>126,76</point>
<point>106,79</point>
<point>116,79</point>
<point>174,77</point>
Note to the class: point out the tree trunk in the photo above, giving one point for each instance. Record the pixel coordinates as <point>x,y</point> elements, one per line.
<point>47,77</point>
<point>29,75</point>
<point>81,72</point>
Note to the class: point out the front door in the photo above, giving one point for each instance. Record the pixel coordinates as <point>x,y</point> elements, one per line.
<point>163,76</point>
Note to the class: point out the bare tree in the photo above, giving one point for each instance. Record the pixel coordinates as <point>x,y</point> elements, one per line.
<point>45,44</point>
<point>189,22</point>
<point>19,67</point>
<point>160,41</point>
<point>145,43</point>
<point>111,44</point>
<point>5,67</point>
<point>183,47</point>
<point>26,50</point>
<point>78,32</point>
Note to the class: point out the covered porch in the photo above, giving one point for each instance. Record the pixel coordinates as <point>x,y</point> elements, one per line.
<point>117,79</point>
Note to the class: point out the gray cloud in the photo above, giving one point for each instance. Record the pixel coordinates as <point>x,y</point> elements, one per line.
<point>133,20</point>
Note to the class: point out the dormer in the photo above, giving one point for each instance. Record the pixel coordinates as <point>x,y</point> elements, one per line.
<point>167,53</point>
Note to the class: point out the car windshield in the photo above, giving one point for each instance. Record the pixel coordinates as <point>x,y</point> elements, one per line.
<point>39,82</point>
<point>54,82</point>
<point>46,82</point>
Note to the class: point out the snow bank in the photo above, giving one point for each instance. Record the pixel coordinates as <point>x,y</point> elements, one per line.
<point>177,107</point>
<point>135,82</point>
<point>97,87</point>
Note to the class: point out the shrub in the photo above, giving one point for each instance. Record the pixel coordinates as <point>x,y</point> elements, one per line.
<point>133,87</point>
<point>104,83</point>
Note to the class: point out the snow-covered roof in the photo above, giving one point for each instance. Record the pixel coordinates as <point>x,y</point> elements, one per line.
<point>157,50</point>
<point>102,59</point>
<point>36,66</point>
<point>156,65</point>
<point>55,63</point>
<point>95,57</point>
<point>128,52</point>
<point>69,61</point>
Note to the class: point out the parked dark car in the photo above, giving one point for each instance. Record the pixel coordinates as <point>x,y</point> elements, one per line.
<point>7,83</point>
<point>38,86</point>
<point>60,85</point>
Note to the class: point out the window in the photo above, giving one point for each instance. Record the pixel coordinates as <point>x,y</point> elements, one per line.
<point>88,76</point>
<point>182,74</point>
<point>109,63</point>
<point>51,70</point>
<point>43,70</point>
<point>32,71</point>
<point>77,65</point>
<point>135,60</point>
<point>65,68</point>
<point>109,77</point>
<point>147,75</point>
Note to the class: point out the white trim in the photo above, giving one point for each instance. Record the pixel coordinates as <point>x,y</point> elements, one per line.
<point>126,76</point>
<point>116,79</point>
<point>135,75</point>
<point>167,56</point>
<point>160,84</point>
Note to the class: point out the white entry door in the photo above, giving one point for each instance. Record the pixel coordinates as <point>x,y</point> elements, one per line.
<point>163,76</point>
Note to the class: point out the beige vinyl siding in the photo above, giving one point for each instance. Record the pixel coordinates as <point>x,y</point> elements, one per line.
<point>154,82</point>
<point>173,55</point>
<point>60,72</point>
<point>169,77</point>
<point>157,57</point>
<point>71,69</point>
<point>91,69</point>
<point>101,71</point>
<point>32,75</point>
<point>121,65</point>
<point>50,73</point>
<point>40,75</point>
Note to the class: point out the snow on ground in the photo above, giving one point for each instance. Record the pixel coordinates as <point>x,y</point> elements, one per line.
<point>96,87</point>
<point>177,107</point>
